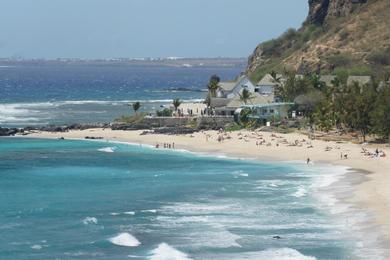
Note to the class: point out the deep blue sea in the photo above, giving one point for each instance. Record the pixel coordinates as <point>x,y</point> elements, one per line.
<point>82,93</point>
<point>63,199</point>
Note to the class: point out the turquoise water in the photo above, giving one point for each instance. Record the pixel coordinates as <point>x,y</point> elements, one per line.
<point>95,200</point>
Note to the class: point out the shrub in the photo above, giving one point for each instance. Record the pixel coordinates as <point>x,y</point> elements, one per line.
<point>131,119</point>
<point>340,60</point>
<point>380,57</point>
<point>343,35</point>
<point>165,112</point>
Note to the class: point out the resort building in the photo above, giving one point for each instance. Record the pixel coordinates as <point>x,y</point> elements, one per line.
<point>268,112</point>
<point>266,86</point>
<point>231,89</point>
<point>227,107</point>
<point>328,80</point>
<point>361,80</point>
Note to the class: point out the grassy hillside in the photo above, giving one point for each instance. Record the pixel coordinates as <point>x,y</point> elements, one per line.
<point>358,43</point>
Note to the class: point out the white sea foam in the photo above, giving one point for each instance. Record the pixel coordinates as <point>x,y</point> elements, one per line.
<point>149,210</point>
<point>125,239</point>
<point>114,214</point>
<point>129,213</point>
<point>198,208</point>
<point>16,113</point>
<point>301,192</point>
<point>166,252</point>
<point>36,247</point>
<point>90,220</point>
<point>107,149</point>
<point>269,254</point>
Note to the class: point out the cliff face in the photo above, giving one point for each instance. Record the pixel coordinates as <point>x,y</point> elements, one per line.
<point>322,10</point>
<point>336,33</point>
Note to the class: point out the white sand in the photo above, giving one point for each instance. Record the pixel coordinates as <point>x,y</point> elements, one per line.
<point>373,194</point>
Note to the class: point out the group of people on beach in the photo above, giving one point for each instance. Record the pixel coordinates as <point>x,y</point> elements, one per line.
<point>166,145</point>
<point>377,154</point>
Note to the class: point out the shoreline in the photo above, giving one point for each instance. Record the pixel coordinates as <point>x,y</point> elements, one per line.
<point>370,195</point>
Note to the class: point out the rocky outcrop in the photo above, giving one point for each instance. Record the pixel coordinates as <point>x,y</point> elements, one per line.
<point>255,60</point>
<point>321,11</point>
<point>10,131</point>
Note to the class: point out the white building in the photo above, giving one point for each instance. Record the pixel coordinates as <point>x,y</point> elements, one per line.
<point>233,88</point>
<point>266,86</point>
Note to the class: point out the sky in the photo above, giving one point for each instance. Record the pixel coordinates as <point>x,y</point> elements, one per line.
<point>100,29</point>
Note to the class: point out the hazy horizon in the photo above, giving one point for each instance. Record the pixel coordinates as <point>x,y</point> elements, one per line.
<point>97,29</point>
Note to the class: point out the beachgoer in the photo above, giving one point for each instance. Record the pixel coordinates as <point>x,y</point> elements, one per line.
<point>308,161</point>
<point>173,145</point>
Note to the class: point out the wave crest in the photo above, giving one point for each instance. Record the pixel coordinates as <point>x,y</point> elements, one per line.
<point>166,252</point>
<point>125,239</point>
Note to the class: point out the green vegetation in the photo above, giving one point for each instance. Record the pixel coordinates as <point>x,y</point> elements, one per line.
<point>213,85</point>
<point>165,112</point>
<point>136,106</point>
<point>380,57</point>
<point>276,50</point>
<point>354,44</point>
<point>131,119</point>
<point>340,60</point>
<point>354,107</point>
<point>245,96</point>
<point>136,117</point>
<point>176,103</point>
<point>234,127</point>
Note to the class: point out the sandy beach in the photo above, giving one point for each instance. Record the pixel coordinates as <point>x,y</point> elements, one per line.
<point>372,194</point>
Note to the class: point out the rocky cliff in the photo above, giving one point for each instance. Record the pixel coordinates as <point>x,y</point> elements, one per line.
<point>321,11</point>
<point>337,34</point>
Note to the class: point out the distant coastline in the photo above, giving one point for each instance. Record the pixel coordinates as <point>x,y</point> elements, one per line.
<point>168,61</point>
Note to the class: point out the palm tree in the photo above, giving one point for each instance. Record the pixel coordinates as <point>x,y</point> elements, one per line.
<point>136,106</point>
<point>245,96</point>
<point>176,103</point>
<point>213,85</point>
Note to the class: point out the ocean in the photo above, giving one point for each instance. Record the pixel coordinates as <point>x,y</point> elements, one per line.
<point>35,95</point>
<point>69,199</point>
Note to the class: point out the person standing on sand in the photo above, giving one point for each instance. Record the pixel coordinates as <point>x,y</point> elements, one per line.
<point>308,161</point>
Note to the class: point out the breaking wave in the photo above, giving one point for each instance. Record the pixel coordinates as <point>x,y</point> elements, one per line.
<point>125,239</point>
<point>166,252</point>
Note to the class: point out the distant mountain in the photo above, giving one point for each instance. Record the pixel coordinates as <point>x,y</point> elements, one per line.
<point>338,36</point>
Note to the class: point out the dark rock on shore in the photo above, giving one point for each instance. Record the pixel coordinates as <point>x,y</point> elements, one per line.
<point>174,130</point>
<point>93,138</point>
<point>10,131</point>
<point>135,126</point>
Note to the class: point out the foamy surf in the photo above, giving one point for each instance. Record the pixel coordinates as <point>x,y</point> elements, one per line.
<point>125,239</point>
<point>301,192</point>
<point>36,247</point>
<point>269,254</point>
<point>90,220</point>
<point>107,149</point>
<point>166,252</point>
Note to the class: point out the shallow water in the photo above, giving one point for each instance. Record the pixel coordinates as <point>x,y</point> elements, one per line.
<point>82,200</point>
